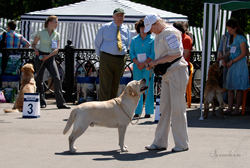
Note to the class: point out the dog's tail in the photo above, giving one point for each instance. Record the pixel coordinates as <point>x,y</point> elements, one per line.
<point>219,91</point>
<point>70,121</point>
<point>223,90</point>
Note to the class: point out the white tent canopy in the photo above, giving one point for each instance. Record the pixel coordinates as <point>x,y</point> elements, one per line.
<point>81,21</point>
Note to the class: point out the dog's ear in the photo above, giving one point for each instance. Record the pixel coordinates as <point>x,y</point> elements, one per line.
<point>32,69</point>
<point>22,69</point>
<point>132,91</point>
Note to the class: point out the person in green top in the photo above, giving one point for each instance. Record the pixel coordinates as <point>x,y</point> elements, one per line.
<point>45,58</point>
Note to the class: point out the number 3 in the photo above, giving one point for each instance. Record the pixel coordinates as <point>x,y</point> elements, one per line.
<point>31,108</point>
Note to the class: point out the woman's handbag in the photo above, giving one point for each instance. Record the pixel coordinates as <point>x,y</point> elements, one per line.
<point>161,69</point>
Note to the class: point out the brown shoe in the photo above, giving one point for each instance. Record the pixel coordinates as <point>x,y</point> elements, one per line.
<point>227,112</point>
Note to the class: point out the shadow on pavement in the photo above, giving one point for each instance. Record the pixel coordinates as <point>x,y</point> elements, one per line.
<point>121,156</point>
<point>232,122</point>
<point>148,123</point>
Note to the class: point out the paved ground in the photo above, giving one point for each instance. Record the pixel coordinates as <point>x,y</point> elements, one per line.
<point>39,143</point>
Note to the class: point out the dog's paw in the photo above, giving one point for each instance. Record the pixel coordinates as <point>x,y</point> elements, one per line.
<point>124,149</point>
<point>72,151</point>
<point>223,117</point>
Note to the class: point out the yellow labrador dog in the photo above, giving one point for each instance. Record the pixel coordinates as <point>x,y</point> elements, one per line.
<point>28,85</point>
<point>114,113</point>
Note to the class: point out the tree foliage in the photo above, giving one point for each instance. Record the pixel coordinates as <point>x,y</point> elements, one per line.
<point>243,17</point>
<point>191,8</point>
<point>194,10</point>
<point>13,9</point>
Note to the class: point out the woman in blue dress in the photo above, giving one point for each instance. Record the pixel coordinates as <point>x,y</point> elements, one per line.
<point>237,75</point>
<point>141,53</point>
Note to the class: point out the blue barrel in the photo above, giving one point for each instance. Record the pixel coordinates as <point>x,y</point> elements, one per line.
<point>87,79</point>
<point>97,80</point>
<point>125,80</point>
<point>85,88</point>
<point>11,81</point>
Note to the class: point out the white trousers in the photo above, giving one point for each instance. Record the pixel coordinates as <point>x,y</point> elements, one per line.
<point>173,109</point>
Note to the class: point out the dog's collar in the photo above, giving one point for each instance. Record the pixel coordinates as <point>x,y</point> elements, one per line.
<point>125,112</point>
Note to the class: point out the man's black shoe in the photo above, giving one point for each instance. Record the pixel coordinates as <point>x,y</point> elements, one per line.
<point>64,107</point>
<point>43,106</point>
<point>136,115</point>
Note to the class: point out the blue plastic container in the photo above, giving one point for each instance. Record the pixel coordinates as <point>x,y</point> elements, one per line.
<point>123,82</point>
<point>85,88</point>
<point>87,79</point>
<point>10,78</point>
<point>11,81</point>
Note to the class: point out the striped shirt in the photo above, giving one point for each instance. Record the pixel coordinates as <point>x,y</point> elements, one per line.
<point>14,40</point>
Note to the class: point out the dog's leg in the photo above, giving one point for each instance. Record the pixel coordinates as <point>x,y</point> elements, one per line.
<point>74,135</point>
<point>220,99</point>
<point>121,131</point>
<point>206,109</point>
<point>222,113</point>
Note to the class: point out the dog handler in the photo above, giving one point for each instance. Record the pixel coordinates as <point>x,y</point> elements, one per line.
<point>45,58</point>
<point>168,48</point>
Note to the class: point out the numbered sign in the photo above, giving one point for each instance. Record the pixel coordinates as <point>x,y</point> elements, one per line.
<point>31,105</point>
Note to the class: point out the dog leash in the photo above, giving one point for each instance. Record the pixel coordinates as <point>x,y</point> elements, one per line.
<point>39,69</point>
<point>125,113</point>
<point>151,72</point>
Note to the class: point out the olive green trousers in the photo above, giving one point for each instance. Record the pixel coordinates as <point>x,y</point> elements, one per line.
<point>110,72</point>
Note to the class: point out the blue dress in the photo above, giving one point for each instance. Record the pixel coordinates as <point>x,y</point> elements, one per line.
<point>238,75</point>
<point>139,46</point>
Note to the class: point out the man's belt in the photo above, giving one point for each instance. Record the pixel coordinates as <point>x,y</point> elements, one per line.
<point>117,56</point>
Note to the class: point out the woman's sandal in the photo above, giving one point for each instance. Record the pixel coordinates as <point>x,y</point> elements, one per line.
<point>228,112</point>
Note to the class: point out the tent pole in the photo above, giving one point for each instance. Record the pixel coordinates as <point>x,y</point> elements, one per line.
<point>209,25</point>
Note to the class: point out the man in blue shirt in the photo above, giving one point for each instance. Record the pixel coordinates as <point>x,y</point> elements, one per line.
<point>112,59</point>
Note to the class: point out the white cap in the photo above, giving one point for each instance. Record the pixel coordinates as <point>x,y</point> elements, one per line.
<point>149,20</point>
